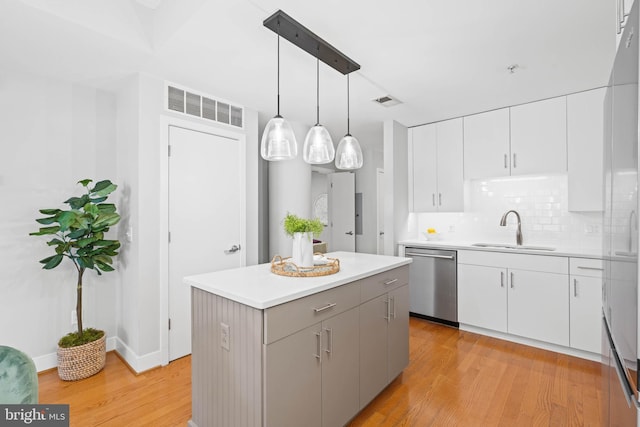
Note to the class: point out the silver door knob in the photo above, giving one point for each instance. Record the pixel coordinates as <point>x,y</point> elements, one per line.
<point>350,233</point>
<point>233,249</point>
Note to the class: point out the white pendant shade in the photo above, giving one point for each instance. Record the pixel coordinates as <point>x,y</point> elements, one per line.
<point>349,153</point>
<point>318,146</point>
<point>278,141</point>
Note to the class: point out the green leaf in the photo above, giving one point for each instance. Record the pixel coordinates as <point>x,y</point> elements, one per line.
<point>78,233</point>
<point>107,208</point>
<point>52,261</point>
<point>85,182</point>
<point>49,211</point>
<point>103,259</point>
<point>46,230</point>
<point>104,267</point>
<point>66,219</point>
<point>46,221</point>
<point>107,219</point>
<point>85,262</point>
<point>103,188</point>
<point>77,202</point>
<point>86,242</point>
<point>55,241</point>
<point>91,209</point>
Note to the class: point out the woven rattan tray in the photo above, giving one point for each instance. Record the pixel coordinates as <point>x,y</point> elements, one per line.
<point>284,267</point>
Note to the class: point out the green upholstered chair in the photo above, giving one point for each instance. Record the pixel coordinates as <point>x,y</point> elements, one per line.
<point>18,377</point>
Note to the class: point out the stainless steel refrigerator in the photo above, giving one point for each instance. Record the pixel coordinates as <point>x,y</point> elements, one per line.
<point>620,234</point>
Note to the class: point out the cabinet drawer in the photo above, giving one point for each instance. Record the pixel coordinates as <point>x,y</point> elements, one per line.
<point>285,319</point>
<point>542,263</point>
<point>371,287</point>
<point>585,267</point>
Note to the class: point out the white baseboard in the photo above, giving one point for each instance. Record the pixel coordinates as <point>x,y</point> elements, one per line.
<point>533,343</point>
<point>50,361</point>
<point>138,363</point>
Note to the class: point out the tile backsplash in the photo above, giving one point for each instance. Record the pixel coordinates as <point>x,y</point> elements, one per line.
<point>541,202</point>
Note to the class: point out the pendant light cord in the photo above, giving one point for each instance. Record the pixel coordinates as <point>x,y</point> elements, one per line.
<point>348,131</point>
<point>318,87</point>
<point>278,68</point>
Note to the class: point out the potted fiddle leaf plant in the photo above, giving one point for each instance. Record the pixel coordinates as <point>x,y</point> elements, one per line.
<point>302,231</point>
<point>79,235</point>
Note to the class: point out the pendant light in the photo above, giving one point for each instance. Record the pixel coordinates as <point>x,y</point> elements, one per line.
<point>349,153</point>
<point>318,146</point>
<point>278,140</point>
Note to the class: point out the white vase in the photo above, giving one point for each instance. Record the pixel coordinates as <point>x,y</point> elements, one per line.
<point>302,254</point>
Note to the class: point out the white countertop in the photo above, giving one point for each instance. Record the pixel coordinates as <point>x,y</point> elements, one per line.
<point>257,287</point>
<point>564,251</point>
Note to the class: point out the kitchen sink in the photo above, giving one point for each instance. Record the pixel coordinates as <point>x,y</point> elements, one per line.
<point>508,246</point>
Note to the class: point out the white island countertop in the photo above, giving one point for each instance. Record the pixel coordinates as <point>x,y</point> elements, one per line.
<point>257,287</point>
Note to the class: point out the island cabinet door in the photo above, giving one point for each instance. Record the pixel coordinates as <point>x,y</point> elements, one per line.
<point>340,375</point>
<point>373,348</point>
<point>293,380</point>
<point>398,335</point>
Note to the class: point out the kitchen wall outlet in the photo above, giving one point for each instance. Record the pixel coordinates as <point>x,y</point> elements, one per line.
<point>225,336</point>
<point>74,318</point>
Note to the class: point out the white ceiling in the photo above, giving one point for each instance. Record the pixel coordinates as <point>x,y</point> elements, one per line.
<point>442,59</point>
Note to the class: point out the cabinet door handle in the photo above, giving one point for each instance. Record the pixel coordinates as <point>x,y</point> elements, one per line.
<point>505,161</point>
<point>590,268</point>
<point>329,332</point>
<point>439,199</point>
<point>387,301</point>
<point>393,301</point>
<point>502,279</point>
<point>390,282</point>
<point>319,346</point>
<point>575,287</point>
<point>512,280</point>
<point>433,199</point>
<point>326,307</point>
<point>514,161</point>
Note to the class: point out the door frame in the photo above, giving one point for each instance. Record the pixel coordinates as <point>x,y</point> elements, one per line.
<point>379,218</point>
<point>165,123</point>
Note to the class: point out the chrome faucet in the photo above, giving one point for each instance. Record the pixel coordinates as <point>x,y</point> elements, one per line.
<point>503,223</point>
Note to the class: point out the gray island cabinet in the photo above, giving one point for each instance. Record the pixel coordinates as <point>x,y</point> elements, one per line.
<point>278,351</point>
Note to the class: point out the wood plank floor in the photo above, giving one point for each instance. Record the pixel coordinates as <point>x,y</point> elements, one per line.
<point>454,378</point>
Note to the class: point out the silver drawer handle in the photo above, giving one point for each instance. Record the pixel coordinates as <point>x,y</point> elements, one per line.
<point>590,268</point>
<point>390,282</point>
<point>326,307</point>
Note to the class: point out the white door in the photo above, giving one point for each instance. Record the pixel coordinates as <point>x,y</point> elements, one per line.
<point>205,219</point>
<point>342,205</point>
<point>380,210</point>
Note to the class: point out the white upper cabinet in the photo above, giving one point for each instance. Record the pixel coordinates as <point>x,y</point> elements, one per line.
<point>585,133</point>
<point>423,178</point>
<point>539,137</point>
<point>435,167</point>
<point>486,144</point>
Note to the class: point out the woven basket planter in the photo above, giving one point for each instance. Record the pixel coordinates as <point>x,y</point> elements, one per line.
<point>76,363</point>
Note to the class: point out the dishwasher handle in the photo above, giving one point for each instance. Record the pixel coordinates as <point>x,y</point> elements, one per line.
<point>430,256</point>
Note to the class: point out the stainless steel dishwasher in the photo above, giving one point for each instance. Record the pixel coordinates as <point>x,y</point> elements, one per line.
<point>433,283</point>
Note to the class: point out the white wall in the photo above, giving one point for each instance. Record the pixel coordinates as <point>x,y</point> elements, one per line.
<point>55,133</point>
<point>289,191</point>
<point>398,224</point>
<point>366,183</point>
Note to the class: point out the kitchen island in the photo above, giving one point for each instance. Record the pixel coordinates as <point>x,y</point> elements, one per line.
<point>271,350</point>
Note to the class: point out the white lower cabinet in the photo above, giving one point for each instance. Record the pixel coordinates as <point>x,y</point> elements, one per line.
<point>585,296</point>
<point>524,295</point>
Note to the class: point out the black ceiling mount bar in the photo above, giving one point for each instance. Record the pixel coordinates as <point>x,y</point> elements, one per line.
<point>302,37</point>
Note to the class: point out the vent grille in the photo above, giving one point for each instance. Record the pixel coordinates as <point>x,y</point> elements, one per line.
<point>193,104</point>
<point>387,101</point>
